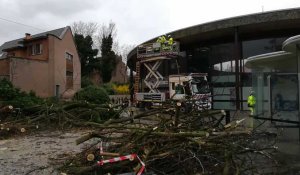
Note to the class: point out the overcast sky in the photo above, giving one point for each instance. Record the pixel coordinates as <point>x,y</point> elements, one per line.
<point>136,20</point>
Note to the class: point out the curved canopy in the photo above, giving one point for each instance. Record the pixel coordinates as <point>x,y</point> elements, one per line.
<point>282,60</point>
<point>291,44</point>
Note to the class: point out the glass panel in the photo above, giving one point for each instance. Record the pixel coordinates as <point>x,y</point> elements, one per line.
<point>223,79</point>
<point>258,86</point>
<point>284,95</point>
<point>179,89</point>
<point>261,46</point>
<point>224,105</point>
<point>224,98</point>
<point>217,67</point>
<point>226,66</point>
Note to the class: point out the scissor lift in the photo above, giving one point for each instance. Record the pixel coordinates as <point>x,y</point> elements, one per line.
<point>151,56</point>
<point>153,79</point>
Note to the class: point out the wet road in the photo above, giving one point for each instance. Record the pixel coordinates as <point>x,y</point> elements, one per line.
<point>36,153</point>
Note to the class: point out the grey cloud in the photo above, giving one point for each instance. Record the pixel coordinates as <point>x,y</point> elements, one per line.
<point>136,20</point>
<point>60,8</point>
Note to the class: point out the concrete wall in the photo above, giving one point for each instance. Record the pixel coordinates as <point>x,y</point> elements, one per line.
<point>57,59</point>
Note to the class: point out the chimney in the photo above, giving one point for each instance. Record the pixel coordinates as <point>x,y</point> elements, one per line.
<point>27,36</point>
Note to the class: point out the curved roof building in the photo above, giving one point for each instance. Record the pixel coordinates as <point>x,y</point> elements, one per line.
<point>220,48</point>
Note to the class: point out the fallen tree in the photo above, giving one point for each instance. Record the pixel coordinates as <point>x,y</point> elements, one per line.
<point>62,115</point>
<point>194,145</point>
<point>162,140</point>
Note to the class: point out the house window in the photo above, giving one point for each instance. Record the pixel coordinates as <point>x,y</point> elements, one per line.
<point>69,70</point>
<point>69,74</point>
<point>36,49</point>
<point>69,56</point>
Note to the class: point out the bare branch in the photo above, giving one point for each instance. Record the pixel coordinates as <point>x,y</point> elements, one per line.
<point>84,28</point>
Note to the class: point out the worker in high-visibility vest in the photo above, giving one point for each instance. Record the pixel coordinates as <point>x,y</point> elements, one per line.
<point>170,42</point>
<point>251,102</point>
<point>162,40</point>
<point>158,39</point>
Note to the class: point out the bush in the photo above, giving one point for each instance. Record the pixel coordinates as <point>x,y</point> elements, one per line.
<point>24,101</point>
<point>7,91</point>
<point>109,88</point>
<point>85,82</point>
<point>9,95</point>
<point>121,89</point>
<point>93,94</point>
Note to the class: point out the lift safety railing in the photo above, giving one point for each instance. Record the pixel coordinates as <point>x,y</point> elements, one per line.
<point>157,49</point>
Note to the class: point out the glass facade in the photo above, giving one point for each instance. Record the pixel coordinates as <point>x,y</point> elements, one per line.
<point>222,54</point>
<point>260,46</point>
<point>219,61</point>
<point>277,95</point>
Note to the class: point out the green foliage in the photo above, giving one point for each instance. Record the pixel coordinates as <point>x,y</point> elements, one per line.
<point>109,88</point>
<point>108,59</point>
<point>9,95</point>
<point>93,94</point>
<point>7,91</point>
<point>85,82</point>
<point>52,100</point>
<point>24,101</point>
<point>86,53</point>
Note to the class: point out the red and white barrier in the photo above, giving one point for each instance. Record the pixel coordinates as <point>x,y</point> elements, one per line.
<point>130,157</point>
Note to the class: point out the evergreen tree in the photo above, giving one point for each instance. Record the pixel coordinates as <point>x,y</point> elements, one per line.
<point>86,53</point>
<point>108,59</point>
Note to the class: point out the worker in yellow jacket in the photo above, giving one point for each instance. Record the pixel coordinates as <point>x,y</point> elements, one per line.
<point>162,40</point>
<point>170,42</point>
<point>251,102</point>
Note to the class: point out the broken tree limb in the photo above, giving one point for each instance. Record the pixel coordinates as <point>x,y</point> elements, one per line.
<point>103,126</point>
<point>217,135</point>
<point>110,154</point>
<point>122,120</point>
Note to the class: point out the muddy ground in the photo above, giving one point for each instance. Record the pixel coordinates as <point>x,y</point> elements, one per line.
<point>38,153</point>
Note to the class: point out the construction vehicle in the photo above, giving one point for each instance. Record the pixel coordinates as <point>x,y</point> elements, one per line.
<point>187,89</point>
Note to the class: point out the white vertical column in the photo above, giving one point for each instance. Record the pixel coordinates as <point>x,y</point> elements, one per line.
<point>269,96</point>
<point>298,73</point>
<point>259,94</point>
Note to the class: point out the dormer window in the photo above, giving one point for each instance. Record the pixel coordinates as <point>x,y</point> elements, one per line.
<point>35,49</point>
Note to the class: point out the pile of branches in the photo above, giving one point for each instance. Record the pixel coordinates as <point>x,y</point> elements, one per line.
<point>169,142</point>
<point>61,115</point>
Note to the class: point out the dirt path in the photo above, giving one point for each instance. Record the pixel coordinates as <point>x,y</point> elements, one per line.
<point>32,154</point>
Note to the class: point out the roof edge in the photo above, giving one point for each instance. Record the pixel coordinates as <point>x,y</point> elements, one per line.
<point>266,56</point>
